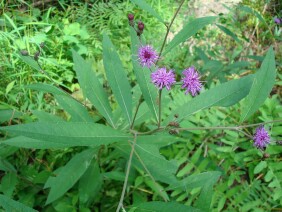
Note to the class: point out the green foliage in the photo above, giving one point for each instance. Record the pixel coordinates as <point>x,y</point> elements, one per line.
<point>67,136</point>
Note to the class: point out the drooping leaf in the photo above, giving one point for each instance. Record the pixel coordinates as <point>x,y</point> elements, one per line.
<point>145,6</point>
<point>261,86</point>
<point>90,184</point>
<point>190,29</point>
<point>143,77</point>
<point>70,174</point>
<point>91,87</point>
<point>225,94</point>
<point>228,32</point>
<point>12,205</point>
<point>164,207</point>
<point>77,111</point>
<point>117,77</point>
<point>70,133</point>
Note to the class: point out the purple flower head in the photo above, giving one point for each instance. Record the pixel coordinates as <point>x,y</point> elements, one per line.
<point>161,78</point>
<point>278,20</point>
<point>261,138</point>
<point>191,81</point>
<point>147,56</point>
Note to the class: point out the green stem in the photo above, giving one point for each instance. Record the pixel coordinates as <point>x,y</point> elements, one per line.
<point>160,108</point>
<point>168,28</point>
<point>136,111</point>
<point>120,204</point>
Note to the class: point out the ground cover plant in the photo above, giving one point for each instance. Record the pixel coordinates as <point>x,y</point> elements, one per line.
<point>140,109</point>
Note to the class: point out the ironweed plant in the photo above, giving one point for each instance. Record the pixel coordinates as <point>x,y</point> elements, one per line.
<point>136,127</point>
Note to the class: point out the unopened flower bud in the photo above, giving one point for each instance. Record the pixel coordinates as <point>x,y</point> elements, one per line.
<point>24,52</point>
<point>173,124</point>
<point>141,26</point>
<point>36,55</point>
<point>130,17</point>
<point>42,45</point>
<point>176,116</point>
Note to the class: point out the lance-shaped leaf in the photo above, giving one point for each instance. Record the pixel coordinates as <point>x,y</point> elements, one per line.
<point>261,87</point>
<point>224,95</point>
<point>117,77</point>
<point>75,133</point>
<point>11,205</point>
<point>190,29</point>
<point>143,77</point>
<point>91,87</point>
<point>77,111</point>
<point>70,174</point>
<point>145,6</point>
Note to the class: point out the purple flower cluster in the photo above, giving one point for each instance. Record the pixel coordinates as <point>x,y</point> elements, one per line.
<point>163,78</point>
<point>278,20</point>
<point>191,81</point>
<point>147,56</point>
<point>261,138</point>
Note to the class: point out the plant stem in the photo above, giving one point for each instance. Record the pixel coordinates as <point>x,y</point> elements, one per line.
<point>136,111</point>
<point>120,204</point>
<point>168,28</point>
<point>160,108</point>
<point>236,128</point>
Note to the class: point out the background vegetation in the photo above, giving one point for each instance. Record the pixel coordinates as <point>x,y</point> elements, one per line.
<point>251,179</point>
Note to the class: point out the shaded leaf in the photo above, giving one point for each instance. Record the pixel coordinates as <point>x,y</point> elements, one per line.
<point>70,174</point>
<point>261,87</point>
<point>12,205</point>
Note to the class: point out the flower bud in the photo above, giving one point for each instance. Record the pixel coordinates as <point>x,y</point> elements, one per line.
<point>141,26</point>
<point>24,53</point>
<point>42,45</point>
<point>36,55</point>
<point>130,17</point>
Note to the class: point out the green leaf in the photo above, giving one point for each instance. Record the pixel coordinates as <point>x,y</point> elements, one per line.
<point>117,77</point>
<point>228,32</point>
<point>30,61</point>
<point>44,116</point>
<point>189,30</point>
<point>70,174</point>
<point>164,207</point>
<point>262,165</point>
<point>91,87</point>
<point>205,181</point>
<point>143,77</point>
<point>77,111</point>
<point>10,86</point>
<point>25,142</point>
<point>225,94</point>
<point>6,115</point>
<point>12,205</point>
<point>90,184</point>
<point>70,133</point>
<point>261,87</point>
<point>143,5</point>
<point>8,183</point>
